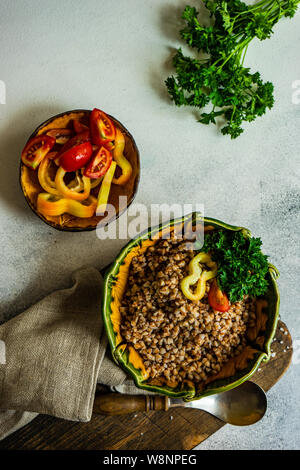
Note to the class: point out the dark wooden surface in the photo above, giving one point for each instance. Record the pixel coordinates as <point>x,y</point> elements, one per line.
<point>173,429</point>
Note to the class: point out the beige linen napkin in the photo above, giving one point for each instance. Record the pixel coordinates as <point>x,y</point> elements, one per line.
<point>55,355</point>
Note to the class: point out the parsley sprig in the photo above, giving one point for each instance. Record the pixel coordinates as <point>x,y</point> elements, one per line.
<point>220,78</point>
<point>242,267</point>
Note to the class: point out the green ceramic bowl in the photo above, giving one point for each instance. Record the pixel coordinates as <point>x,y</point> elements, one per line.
<point>121,354</point>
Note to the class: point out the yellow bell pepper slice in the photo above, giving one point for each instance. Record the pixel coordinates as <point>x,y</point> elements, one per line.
<point>122,162</point>
<point>76,184</point>
<point>49,185</point>
<point>105,189</point>
<point>69,192</point>
<point>50,205</point>
<point>44,178</point>
<point>96,182</point>
<point>199,276</point>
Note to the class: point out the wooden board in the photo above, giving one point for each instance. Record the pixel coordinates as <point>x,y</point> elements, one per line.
<point>178,429</point>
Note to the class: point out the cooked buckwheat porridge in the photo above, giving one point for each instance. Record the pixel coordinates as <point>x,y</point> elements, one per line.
<point>178,339</point>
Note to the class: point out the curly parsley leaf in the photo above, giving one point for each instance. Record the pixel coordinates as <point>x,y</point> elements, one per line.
<point>242,267</point>
<point>221,78</point>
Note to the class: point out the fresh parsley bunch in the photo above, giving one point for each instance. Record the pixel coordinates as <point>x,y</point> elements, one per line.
<point>242,267</point>
<point>220,78</point>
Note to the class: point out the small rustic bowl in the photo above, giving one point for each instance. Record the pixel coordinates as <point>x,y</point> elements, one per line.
<point>31,187</point>
<point>258,350</point>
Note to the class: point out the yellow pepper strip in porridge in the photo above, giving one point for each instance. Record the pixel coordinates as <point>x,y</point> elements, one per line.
<point>199,276</point>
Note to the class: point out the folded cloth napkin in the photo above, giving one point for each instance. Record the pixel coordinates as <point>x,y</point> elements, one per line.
<point>55,356</point>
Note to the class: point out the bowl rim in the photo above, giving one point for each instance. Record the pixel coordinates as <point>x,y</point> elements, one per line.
<point>78,229</point>
<point>187,394</point>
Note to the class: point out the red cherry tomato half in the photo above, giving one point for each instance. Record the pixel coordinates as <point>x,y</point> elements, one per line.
<point>100,164</point>
<point>76,140</point>
<point>36,150</point>
<point>217,299</point>
<point>102,128</point>
<point>79,127</point>
<point>76,157</point>
<point>61,136</point>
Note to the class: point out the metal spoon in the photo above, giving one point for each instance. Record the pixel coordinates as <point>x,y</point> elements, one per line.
<point>241,406</point>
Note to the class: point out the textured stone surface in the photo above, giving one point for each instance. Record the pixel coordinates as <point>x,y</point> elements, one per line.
<point>115,55</point>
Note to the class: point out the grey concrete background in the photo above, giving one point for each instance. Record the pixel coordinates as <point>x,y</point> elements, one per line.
<point>115,54</point>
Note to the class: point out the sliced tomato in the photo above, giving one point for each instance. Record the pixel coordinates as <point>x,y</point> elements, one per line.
<point>217,299</point>
<point>79,127</point>
<point>76,140</point>
<point>36,150</point>
<point>76,157</point>
<point>100,164</point>
<point>61,136</point>
<point>102,128</point>
<point>110,145</point>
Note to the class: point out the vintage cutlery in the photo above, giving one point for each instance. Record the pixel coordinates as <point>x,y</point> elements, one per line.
<point>241,406</point>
